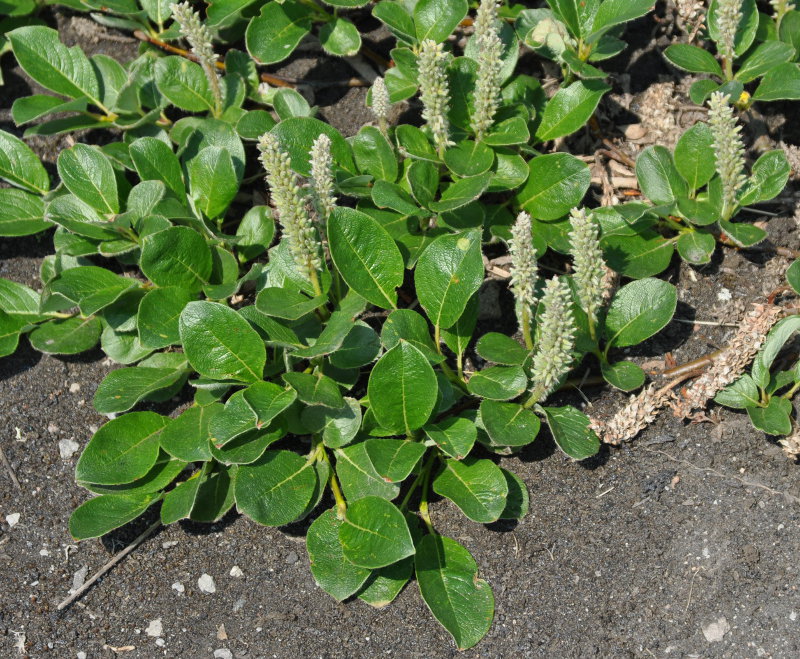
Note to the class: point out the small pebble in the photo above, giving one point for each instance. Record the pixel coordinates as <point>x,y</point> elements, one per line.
<point>222,635</point>
<point>178,587</point>
<point>223,653</point>
<point>74,388</point>
<point>238,604</point>
<point>160,642</point>
<point>206,584</point>
<point>715,631</point>
<point>79,577</point>
<point>12,519</point>
<point>81,655</point>
<point>168,544</point>
<point>155,628</point>
<point>292,557</point>
<point>67,448</point>
<point>236,571</point>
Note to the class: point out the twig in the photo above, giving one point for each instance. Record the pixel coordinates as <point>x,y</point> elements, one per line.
<point>711,323</point>
<point>10,469</point>
<point>695,572</point>
<point>116,559</point>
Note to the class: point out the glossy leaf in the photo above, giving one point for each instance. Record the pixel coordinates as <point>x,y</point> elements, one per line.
<point>20,166</point>
<point>177,256</point>
<point>375,533</point>
<point>556,183</point>
<point>105,513</point>
<point>570,429</point>
<point>639,310</point>
<point>477,487</point>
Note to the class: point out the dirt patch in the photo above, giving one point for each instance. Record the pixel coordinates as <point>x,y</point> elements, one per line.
<point>683,544</point>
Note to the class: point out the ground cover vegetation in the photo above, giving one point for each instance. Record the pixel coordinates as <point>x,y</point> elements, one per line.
<point>330,337</point>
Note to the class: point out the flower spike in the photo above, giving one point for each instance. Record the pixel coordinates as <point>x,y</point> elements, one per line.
<point>487,84</point>
<point>523,273</point>
<point>590,268</point>
<point>553,356</point>
<point>435,92</point>
<point>729,151</point>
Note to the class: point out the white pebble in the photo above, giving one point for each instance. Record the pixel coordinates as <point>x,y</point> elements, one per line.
<point>67,448</point>
<point>79,577</point>
<point>715,631</point>
<point>74,388</point>
<point>81,655</point>
<point>724,295</point>
<point>155,628</point>
<point>12,519</point>
<point>168,544</point>
<point>236,571</point>
<point>206,584</point>
<point>223,653</point>
<point>178,587</point>
<point>160,642</point>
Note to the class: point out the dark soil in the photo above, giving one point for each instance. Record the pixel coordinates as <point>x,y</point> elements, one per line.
<point>684,544</point>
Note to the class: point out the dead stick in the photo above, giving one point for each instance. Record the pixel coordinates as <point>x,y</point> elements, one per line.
<point>88,584</point>
<point>10,469</point>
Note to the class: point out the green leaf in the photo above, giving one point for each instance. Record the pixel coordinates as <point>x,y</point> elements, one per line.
<point>702,89</point>
<point>297,135</point>
<point>775,418</point>
<point>340,37</point>
<point>768,178</point>
<point>20,166</point>
<point>518,499</point>
<point>763,59</point>
<point>396,18</point>
<point>391,195</point>
<point>88,174</point>
<point>694,156</point>
<point>461,193</point>
<point>374,154</point>
<point>357,474</point>
<point>105,513</point>
<point>21,213</point>
<point>275,33</point>
<point>423,180</point>
<point>359,348</point>
<point>213,181</point>
<point>508,132</point>
<point>639,310</point>
<point>501,349</point>
<point>617,12</point>
<point>570,429</point>
<point>402,389</point>
<point>178,503</point>
<point>177,256</point>
<point>469,158</point>
<point>49,62</point>
<point>658,176</point>
<point>275,490</point>
<point>570,109</point>
<point>498,382</point>
<point>455,436</point>
<point>66,337</point>
<point>477,487</point>
<point>375,533</point>
<point>248,447</point>
<point>741,394</point>
<point>696,248</point>
<point>508,424</point>
<point>557,182</point>
<point>215,497</point>
<point>187,437</point>
<point>394,459</point>
<point>255,232</point>
<point>315,389</point>
<point>155,161</point>
<point>19,300</point>
<point>338,427</point>
<point>693,59</point>
<point>408,325</point>
<point>638,256</point>
<point>220,344</point>
<point>120,390</point>
<point>449,271</point>
<point>89,287</point>
<point>159,311</point>
<point>331,570</point>
<point>448,581</point>
<point>458,336</point>
<point>385,584</point>
<point>183,83</point>
<point>286,303</point>
<point>793,276</point>
<point>366,256</point>
<point>744,235</point>
<point>624,375</point>
<point>436,20</point>
<point>163,472</point>
<point>121,451</point>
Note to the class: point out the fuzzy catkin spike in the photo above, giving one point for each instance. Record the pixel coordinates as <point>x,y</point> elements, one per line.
<point>590,268</point>
<point>490,64</point>
<point>728,149</point>
<point>381,104</point>
<point>435,92</point>
<point>322,178</point>
<point>781,8</point>
<point>291,206</point>
<point>730,363</point>
<point>199,38</point>
<point>729,15</point>
<point>553,356</point>
<point>523,272</point>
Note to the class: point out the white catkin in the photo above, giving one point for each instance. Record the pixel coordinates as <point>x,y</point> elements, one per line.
<point>199,38</point>
<point>322,177</point>
<point>523,268</point>
<point>490,64</point>
<point>553,356</point>
<point>290,204</point>
<point>729,15</point>
<point>590,272</point>
<point>381,103</point>
<point>728,149</point>
<point>434,92</point>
